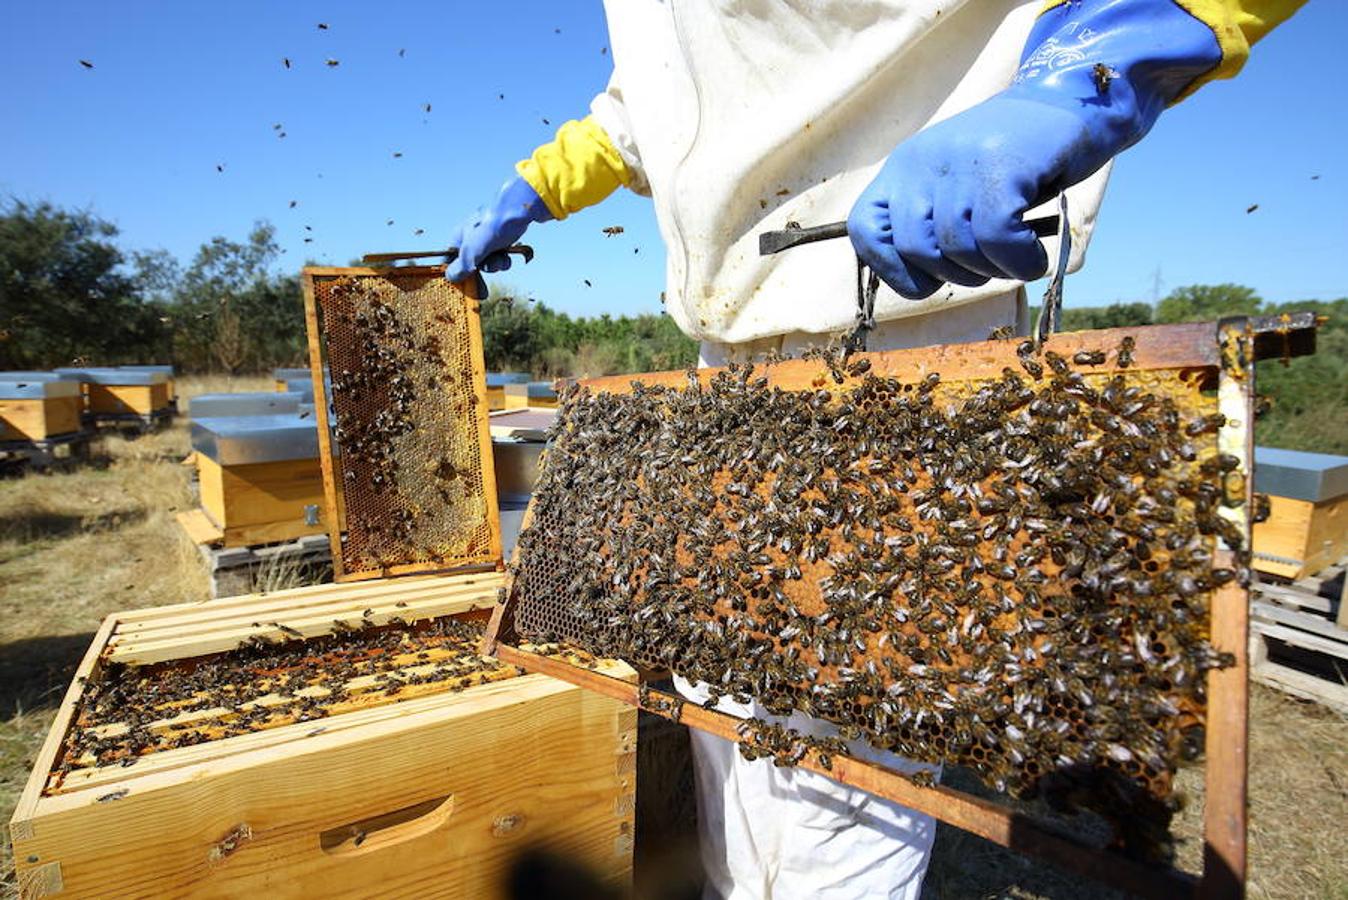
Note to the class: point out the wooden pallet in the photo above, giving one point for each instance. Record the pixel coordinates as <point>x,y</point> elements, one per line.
<point>429,796</point>
<point>45,453</point>
<point>234,571</point>
<point>140,423</point>
<point>1298,639</point>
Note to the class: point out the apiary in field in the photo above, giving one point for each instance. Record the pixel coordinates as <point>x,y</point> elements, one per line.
<point>38,409</point>
<point>1307,526</point>
<point>260,478</point>
<point>334,741</point>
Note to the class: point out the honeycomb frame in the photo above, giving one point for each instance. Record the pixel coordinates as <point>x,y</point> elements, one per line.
<point>412,461</point>
<point>1217,355</point>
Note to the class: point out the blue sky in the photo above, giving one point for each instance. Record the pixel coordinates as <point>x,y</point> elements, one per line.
<point>179,88</point>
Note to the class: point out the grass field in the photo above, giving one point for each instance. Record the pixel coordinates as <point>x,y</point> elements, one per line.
<point>77,545</point>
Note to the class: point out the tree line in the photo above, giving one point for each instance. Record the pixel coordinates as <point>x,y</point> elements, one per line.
<point>70,295</point>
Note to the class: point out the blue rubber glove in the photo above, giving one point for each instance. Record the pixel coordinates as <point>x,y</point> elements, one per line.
<point>493,228</point>
<point>947,205</point>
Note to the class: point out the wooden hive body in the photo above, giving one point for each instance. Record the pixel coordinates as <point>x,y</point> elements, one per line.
<point>430,796</point>
<point>1307,527</point>
<point>260,477</point>
<point>40,410</point>
<point>117,399</point>
<point>261,503</point>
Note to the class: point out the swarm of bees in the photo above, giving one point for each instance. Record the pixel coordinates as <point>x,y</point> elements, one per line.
<point>1011,575</point>
<point>404,403</point>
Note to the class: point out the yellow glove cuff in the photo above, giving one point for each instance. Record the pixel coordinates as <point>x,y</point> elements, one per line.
<point>1238,25</point>
<point>579,168</point>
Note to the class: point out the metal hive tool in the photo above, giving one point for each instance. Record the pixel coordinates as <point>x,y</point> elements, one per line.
<point>404,349</point>
<point>973,555</point>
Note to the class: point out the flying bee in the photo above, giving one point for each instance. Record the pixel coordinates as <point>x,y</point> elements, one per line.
<point>612,230</point>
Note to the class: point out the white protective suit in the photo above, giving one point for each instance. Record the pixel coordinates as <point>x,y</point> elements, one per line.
<point>738,116</point>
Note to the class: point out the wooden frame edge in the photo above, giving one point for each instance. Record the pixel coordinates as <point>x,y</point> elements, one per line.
<point>984,818</point>
<point>26,807</point>
<point>331,470</point>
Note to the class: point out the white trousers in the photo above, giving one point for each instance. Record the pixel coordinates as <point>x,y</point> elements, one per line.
<point>770,833</point>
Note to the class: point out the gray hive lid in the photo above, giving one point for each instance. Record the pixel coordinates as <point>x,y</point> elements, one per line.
<point>113,376</point>
<point>255,403</point>
<point>532,389</point>
<point>167,370</point>
<point>38,390</point>
<point>243,440</point>
<point>81,373</point>
<point>501,379</point>
<point>288,374</point>
<point>1301,476</point>
<point>302,386</point>
<point>29,376</point>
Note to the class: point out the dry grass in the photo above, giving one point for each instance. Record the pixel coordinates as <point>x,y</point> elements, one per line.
<point>75,546</point>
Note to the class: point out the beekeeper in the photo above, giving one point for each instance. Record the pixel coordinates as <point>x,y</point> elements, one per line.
<point>932,126</point>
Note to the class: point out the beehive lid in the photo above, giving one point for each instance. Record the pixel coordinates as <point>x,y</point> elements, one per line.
<point>81,373</point>
<point>534,390</point>
<point>1301,476</point>
<point>29,376</point>
<point>501,379</point>
<point>302,386</point>
<point>522,424</point>
<point>113,376</point>
<point>253,403</point>
<point>165,369</point>
<point>408,396</point>
<point>38,390</point>
<point>244,440</point>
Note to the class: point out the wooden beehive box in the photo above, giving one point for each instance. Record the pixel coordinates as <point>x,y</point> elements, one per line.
<point>114,393</point>
<point>260,477</point>
<point>37,410</point>
<point>496,387</point>
<point>168,373</point>
<point>1307,527</point>
<point>422,791</point>
<point>534,394</point>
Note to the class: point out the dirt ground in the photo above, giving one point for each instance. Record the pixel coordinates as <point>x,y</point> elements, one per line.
<point>77,545</point>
